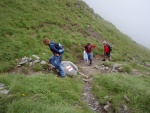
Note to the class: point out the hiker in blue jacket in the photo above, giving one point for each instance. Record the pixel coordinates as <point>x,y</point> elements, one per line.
<point>56,58</point>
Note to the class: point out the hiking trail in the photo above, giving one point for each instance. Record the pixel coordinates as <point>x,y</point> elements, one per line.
<point>89,72</point>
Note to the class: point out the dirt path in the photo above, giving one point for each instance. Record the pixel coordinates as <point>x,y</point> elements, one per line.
<point>88,95</point>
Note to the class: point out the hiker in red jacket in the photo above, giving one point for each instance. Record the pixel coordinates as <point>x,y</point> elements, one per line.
<point>88,48</point>
<point>106,51</point>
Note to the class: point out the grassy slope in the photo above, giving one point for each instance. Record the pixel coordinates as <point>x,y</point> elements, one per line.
<point>115,86</point>
<point>41,94</point>
<point>24,24</point>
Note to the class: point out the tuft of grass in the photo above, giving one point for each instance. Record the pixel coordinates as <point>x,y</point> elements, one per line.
<point>38,67</point>
<point>127,69</point>
<point>25,70</point>
<point>115,86</point>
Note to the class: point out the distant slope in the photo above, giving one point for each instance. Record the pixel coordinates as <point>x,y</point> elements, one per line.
<point>23,25</point>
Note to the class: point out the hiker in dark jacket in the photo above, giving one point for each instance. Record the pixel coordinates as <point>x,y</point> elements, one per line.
<point>56,58</point>
<point>89,48</point>
<point>106,51</point>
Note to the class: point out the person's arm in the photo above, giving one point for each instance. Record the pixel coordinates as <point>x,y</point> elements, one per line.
<point>93,46</point>
<point>54,53</point>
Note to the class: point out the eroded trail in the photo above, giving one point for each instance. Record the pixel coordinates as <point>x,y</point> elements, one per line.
<point>89,72</point>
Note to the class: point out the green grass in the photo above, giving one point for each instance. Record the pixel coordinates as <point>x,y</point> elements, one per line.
<point>25,23</point>
<point>116,86</point>
<point>41,94</point>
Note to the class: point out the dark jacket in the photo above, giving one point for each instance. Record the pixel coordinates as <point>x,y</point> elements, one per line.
<point>54,49</point>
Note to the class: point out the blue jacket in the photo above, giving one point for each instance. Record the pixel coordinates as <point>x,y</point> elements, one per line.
<point>54,49</point>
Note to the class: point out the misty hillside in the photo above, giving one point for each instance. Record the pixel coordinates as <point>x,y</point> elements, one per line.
<point>24,24</point>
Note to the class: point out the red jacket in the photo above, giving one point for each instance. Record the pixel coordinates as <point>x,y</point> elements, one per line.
<point>106,49</point>
<point>89,49</point>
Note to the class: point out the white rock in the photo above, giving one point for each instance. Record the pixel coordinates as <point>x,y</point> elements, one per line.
<point>36,61</point>
<point>116,66</point>
<point>107,107</point>
<point>43,62</point>
<point>36,57</point>
<point>2,85</point>
<point>4,91</point>
<point>69,68</point>
<point>24,58</point>
<point>126,98</point>
<point>124,107</point>
<point>23,62</point>
<point>30,64</point>
<point>30,59</point>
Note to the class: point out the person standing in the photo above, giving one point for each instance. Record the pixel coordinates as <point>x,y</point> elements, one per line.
<point>107,51</point>
<point>56,58</point>
<point>89,48</point>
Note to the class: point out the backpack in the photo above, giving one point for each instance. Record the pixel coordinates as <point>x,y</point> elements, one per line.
<point>110,48</point>
<point>59,46</point>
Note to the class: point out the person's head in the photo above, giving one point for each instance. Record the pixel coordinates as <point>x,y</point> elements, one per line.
<point>46,41</point>
<point>104,42</point>
<point>88,44</point>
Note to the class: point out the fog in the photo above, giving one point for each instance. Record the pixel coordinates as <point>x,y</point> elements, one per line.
<point>132,17</point>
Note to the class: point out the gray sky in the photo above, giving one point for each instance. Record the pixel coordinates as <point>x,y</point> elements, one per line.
<point>132,17</point>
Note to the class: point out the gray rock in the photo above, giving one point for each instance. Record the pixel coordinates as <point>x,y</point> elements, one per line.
<point>116,67</point>
<point>86,80</point>
<point>24,58</point>
<point>22,62</point>
<point>69,68</point>
<point>18,65</point>
<point>35,57</point>
<point>85,94</point>
<point>126,98</point>
<point>31,64</point>
<point>4,91</point>
<point>29,59</point>
<point>36,61</point>
<point>1,86</point>
<point>43,62</point>
<point>106,96</point>
<point>124,107</point>
<point>93,109</point>
<point>107,108</point>
<point>120,69</point>
<point>106,68</point>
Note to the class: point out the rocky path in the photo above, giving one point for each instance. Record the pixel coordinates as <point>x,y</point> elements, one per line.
<point>89,72</point>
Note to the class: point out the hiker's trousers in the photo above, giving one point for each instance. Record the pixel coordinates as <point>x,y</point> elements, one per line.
<point>56,61</point>
<point>90,55</point>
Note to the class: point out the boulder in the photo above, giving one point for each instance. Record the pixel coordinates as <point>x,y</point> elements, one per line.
<point>117,67</point>
<point>69,68</point>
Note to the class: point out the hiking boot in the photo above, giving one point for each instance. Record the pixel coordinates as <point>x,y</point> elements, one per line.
<point>54,69</point>
<point>104,60</point>
<point>90,64</point>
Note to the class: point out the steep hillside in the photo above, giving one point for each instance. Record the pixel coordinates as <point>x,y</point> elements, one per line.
<point>24,24</point>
